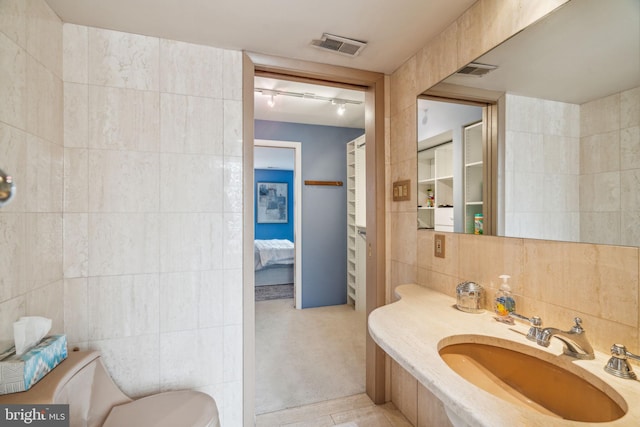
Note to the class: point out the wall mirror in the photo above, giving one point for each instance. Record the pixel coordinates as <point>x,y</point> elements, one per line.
<point>561,145</point>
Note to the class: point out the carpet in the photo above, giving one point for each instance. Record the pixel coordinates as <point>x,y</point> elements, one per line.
<point>269,292</point>
<point>307,356</point>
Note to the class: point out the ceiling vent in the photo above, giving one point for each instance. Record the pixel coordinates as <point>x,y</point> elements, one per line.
<point>341,45</point>
<point>477,69</point>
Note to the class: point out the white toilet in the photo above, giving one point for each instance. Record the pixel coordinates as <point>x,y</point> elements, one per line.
<point>94,400</point>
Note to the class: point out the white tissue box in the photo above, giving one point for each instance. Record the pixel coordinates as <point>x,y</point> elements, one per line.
<point>20,373</point>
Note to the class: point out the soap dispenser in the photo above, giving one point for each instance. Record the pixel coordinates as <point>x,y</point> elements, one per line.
<point>503,304</point>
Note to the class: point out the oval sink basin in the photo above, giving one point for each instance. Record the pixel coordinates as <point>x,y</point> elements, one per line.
<point>533,379</point>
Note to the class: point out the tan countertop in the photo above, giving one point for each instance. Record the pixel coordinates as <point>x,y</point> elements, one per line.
<point>412,330</point>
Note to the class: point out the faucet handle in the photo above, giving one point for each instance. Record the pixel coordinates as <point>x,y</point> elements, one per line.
<point>618,364</point>
<point>577,328</point>
<point>620,351</point>
<point>536,328</point>
<point>525,318</point>
<point>534,321</point>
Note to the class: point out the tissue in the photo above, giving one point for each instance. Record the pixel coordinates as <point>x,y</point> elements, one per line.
<point>29,331</point>
<point>20,373</point>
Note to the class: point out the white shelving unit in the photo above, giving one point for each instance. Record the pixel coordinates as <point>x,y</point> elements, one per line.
<point>351,223</point>
<point>426,188</point>
<point>356,223</point>
<point>473,166</point>
<point>435,177</point>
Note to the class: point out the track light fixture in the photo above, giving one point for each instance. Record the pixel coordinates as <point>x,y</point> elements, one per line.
<point>341,106</point>
<point>340,102</point>
<point>271,102</point>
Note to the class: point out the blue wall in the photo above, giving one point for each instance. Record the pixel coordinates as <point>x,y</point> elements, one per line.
<point>324,209</point>
<point>275,231</point>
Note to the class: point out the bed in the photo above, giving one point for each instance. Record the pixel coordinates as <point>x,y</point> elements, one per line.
<point>274,262</point>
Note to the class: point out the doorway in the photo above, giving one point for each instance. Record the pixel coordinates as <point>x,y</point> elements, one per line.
<point>281,162</point>
<point>325,119</point>
<point>316,354</point>
<point>373,85</point>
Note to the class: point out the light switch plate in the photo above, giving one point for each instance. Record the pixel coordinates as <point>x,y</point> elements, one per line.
<point>402,191</point>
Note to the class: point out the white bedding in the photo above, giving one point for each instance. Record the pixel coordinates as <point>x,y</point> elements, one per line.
<point>273,252</point>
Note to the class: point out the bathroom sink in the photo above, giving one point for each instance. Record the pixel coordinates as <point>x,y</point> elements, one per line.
<point>532,378</point>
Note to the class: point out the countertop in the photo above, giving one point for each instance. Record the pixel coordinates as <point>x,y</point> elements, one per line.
<point>412,329</point>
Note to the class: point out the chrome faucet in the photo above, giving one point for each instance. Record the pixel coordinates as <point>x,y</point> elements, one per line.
<point>618,365</point>
<point>575,340</point>
<point>534,321</point>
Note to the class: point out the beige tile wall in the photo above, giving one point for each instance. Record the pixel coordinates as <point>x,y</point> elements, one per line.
<point>554,280</point>
<point>125,230</point>
<point>573,179</point>
<point>609,159</point>
<point>152,211</point>
<point>31,149</point>
<point>542,166</point>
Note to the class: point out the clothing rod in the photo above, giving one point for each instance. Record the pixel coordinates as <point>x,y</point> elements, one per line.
<point>325,183</point>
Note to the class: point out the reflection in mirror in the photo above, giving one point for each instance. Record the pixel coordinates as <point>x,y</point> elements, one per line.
<point>449,166</point>
<point>568,94</point>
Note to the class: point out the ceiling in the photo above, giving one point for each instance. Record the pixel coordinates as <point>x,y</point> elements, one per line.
<point>394,30</point>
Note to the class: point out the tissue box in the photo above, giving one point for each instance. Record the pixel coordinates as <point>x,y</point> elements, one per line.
<point>20,373</point>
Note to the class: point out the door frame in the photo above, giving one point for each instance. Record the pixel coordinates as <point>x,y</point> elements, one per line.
<point>297,208</point>
<point>373,85</point>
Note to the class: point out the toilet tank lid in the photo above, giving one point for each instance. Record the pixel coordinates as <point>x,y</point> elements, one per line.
<point>46,389</point>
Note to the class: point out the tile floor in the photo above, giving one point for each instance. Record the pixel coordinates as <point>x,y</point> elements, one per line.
<point>352,411</point>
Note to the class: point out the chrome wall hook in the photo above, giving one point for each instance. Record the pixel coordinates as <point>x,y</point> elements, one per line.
<point>7,188</point>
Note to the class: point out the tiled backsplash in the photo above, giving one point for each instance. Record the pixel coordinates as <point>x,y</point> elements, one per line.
<point>554,280</point>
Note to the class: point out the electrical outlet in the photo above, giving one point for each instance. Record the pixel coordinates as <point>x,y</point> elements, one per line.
<point>439,245</point>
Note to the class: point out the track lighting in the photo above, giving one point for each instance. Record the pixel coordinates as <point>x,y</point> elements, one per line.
<point>272,96</point>
<point>340,102</point>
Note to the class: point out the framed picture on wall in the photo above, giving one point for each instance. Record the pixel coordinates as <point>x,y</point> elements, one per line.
<point>273,202</point>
